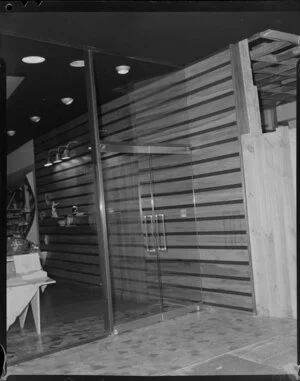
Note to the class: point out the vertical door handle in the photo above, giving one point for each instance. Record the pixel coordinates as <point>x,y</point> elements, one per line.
<point>148,248</point>
<point>161,217</point>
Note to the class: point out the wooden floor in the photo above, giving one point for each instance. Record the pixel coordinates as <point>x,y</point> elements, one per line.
<point>71,314</point>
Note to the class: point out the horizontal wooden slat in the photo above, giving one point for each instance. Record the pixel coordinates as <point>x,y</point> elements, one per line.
<point>92,269</point>
<point>227,300</point>
<point>74,276</point>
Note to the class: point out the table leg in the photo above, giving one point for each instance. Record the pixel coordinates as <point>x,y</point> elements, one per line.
<point>22,317</point>
<point>35,305</point>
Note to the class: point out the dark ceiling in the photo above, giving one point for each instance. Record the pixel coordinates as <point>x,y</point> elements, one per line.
<point>152,43</point>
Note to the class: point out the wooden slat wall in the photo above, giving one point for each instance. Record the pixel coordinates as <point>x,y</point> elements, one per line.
<point>72,252</point>
<point>194,106</point>
<point>269,167</point>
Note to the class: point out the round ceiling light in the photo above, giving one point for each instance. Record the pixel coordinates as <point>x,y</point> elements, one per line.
<point>77,63</point>
<point>11,132</point>
<point>122,69</point>
<point>33,59</point>
<point>35,119</point>
<point>67,101</point>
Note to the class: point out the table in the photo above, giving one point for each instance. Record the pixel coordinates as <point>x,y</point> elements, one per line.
<point>33,287</point>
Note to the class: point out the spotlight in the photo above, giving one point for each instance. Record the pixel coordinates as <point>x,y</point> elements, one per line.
<point>33,59</point>
<point>67,101</point>
<point>11,132</point>
<point>77,63</point>
<point>35,119</point>
<point>122,69</point>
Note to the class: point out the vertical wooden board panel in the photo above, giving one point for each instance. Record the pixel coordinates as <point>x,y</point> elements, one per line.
<point>271,211</point>
<point>286,224</point>
<point>293,150</point>
<point>252,179</point>
<point>267,188</point>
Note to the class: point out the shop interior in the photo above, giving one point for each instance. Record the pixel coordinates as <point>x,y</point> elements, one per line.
<point>177,235</point>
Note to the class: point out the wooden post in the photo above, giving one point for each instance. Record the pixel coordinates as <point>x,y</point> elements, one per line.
<point>247,104</point>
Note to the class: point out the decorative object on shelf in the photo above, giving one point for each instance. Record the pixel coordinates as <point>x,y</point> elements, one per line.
<point>61,222</point>
<point>46,239</point>
<point>70,220</point>
<point>42,215</point>
<point>74,210</point>
<point>54,211</point>
<point>49,201</point>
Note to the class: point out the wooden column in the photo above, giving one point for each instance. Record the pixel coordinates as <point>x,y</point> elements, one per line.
<point>247,105</point>
<point>268,193</point>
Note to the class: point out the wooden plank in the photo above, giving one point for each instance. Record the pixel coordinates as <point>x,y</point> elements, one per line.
<point>281,36</point>
<point>72,248</point>
<point>267,160</point>
<point>202,88</point>
<point>220,210</point>
<point>267,48</point>
<point>246,98</point>
<point>223,195</point>
<point>220,299</point>
<point>67,192</point>
<point>73,267</point>
<point>83,278</point>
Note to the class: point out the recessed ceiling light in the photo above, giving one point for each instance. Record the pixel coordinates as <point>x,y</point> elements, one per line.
<point>33,59</point>
<point>67,101</point>
<point>35,119</point>
<point>77,63</point>
<point>122,69</point>
<point>11,132</point>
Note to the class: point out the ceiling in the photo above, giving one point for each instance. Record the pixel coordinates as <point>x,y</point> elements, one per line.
<point>152,43</point>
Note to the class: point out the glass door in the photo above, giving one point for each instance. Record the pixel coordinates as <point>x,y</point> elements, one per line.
<point>173,257</point>
<point>155,267</point>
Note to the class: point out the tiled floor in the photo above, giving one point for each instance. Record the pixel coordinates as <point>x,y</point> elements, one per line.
<point>70,314</point>
<point>207,342</point>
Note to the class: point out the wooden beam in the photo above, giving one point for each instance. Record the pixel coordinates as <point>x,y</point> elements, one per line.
<point>281,36</point>
<point>291,53</point>
<point>246,95</point>
<point>267,48</point>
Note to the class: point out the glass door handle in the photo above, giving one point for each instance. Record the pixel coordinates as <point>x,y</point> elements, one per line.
<point>150,217</point>
<point>161,217</point>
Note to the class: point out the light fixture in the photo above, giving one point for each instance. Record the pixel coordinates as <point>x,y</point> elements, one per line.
<point>90,147</point>
<point>122,69</point>
<point>11,132</point>
<point>33,59</point>
<point>57,158</point>
<point>66,154</point>
<point>67,101</point>
<point>77,63</point>
<point>35,119</point>
<point>49,162</point>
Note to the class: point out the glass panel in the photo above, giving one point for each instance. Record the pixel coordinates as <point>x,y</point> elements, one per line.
<point>130,236</point>
<point>177,241</point>
<point>64,225</point>
<point>153,243</point>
